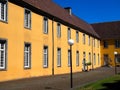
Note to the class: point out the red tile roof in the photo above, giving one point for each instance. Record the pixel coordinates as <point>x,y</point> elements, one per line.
<point>108,30</point>
<point>49,7</point>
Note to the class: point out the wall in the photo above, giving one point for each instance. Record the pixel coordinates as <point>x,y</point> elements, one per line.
<point>16,35</point>
<point>110,51</point>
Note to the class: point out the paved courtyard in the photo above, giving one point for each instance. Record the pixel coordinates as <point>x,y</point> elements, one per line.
<point>59,82</point>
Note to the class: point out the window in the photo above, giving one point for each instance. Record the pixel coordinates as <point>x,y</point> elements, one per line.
<point>89,57</point>
<point>2,54</point>
<point>89,40</point>
<point>27,20</point>
<point>98,59</point>
<point>83,38</point>
<point>27,55</point>
<point>94,42</point>
<point>45,25</point>
<point>45,61</point>
<point>84,55</point>
<point>94,59</point>
<point>77,36</point>
<point>69,33</point>
<point>106,59</point>
<point>58,57</point>
<point>68,57</point>
<point>117,43</point>
<point>3,10</point>
<point>58,30</point>
<point>98,43</point>
<point>105,44</point>
<point>77,58</point>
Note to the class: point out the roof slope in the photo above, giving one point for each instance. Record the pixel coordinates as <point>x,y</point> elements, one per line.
<point>108,30</point>
<point>54,10</point>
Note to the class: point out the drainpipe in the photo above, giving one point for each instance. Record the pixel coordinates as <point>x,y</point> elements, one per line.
<point>92,53</point>
<point>53,46</point>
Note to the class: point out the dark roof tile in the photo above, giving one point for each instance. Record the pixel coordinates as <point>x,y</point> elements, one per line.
<point>108,30</point>
<point>55,10</point>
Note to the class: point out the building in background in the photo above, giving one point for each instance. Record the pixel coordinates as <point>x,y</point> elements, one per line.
<point>109,33</point>
<point>34,38</point>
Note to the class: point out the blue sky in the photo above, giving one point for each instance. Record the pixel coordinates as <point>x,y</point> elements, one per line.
<point>93,11</point>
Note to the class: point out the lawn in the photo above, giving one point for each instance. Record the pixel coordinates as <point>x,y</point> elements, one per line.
<point>110,83</point>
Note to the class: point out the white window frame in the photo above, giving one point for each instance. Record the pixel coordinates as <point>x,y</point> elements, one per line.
<point>98,43</point>
<point>105,44</point>
<point>77,36</point>
<point>4,3</point>
<point>117,43</point>
<point>27,18</point>
<point>98,59</point>
<point>45,25</point>
<point>45,58</point>
<point>89,40</point>
<point>94,59</point>
<point>89,57</point>
<point>77,58</point>
<point>27,55</point>
<point>68,58</point>
<point>84,38</point>
<point>58,30</point>
<point>59,57</point>
<point>2,49</point>
<point>84,55</point>
<point>69,33</point>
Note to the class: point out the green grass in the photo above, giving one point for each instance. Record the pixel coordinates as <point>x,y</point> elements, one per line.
<point>101,84</point>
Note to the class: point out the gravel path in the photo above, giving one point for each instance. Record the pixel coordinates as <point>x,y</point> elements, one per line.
<point>59,82</point>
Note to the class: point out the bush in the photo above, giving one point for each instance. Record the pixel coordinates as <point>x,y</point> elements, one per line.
<point>88,64</point>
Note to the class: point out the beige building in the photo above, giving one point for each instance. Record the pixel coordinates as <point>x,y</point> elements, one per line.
<point>34,38</point>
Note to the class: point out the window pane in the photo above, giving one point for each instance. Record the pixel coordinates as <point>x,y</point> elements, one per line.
<point>68,57</point>
<point>69,33</point>
<point>59,57</point>
<point>77,36</point>
<point>3,10</point>
<point>45,62</point>
<point>27,56</point>
<point>2,55</point>
<point>77,58</point>
<point>105,44</point>
<point>58,30</point>
<point>83,38</point>
<point>27,18</point>
<point>45,25</point>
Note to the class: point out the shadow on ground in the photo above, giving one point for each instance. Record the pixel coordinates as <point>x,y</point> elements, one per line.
<point>111,86</point>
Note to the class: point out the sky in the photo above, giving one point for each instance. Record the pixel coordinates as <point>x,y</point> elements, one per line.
<point>93,11</point>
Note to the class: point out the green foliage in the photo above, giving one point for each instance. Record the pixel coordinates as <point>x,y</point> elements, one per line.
<point>99,84</point>
<point>88,63</point>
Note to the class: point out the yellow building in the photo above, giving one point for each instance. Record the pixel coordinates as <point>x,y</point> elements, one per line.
<point>34,38</point>
<point>109,33</point>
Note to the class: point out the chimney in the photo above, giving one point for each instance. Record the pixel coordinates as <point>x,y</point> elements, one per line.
<point>69,10</point>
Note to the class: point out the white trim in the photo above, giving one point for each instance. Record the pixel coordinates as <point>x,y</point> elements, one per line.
<point>77,58</point>
<point>28,57</point>
<point>68,57</point>
<point>5,11</point>
<point>58,30</point>
<point>59,57</point>
<point>2,50</point>
<point>27,18</point>
<point>45,24</point>
<point>77,36</point>
<point>45,52</point>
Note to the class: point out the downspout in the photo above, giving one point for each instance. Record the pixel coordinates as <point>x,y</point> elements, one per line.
<point>92,54</point>
<point>53,46</point>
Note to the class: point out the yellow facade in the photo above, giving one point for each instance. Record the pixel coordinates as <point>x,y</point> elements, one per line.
<point>109,51</point>
<point>16,35</point>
